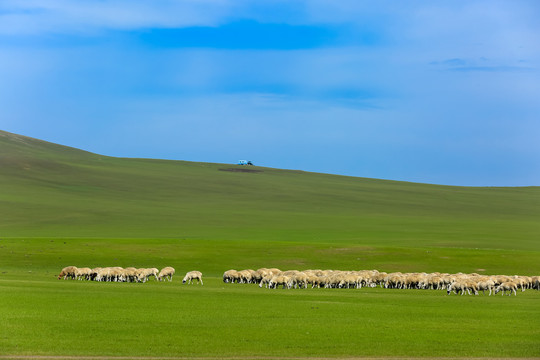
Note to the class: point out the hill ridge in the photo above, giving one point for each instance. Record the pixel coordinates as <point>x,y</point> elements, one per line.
<point>23,145</point>
<point>53,190</point>
<point>20,142</point>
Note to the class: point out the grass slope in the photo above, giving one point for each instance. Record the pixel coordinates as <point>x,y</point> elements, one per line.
<point>61,206</point>
<point>50,190</point>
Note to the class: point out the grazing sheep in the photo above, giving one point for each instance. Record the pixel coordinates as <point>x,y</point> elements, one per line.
<point>246,276</point>
<point>68,272</point>
<point>471,286</point>
<point>230,276</point>
<point>94,273</point>
<point>536,282</point>
<point>462,286</point>
<point>456,287</point>
<point>103,274</point>
<point>313,280</point>
<point>141,275</point>
<point>261,273</point>
<point>280,280</point>
<point>115,274</point>
<point>411,281</point>
<point>458,283</point>
<point>507,286</point>
<point>155,273</point>
<point>522,282</point>
<point>486,285</point>
<point>256,276</point>
<point>265,280</point>
<point>274,271</point>
<point>348,281</point>
<point>166,272</point>
<point>144,274</point>
<point>83,273</point>
<point>300,280</point>
<point>193,275</point>
<point>130,274</point>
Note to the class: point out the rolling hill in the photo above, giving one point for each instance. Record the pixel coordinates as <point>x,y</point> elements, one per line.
<point>53,190</point>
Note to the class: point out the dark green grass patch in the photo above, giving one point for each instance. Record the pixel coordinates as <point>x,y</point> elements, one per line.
<point>44,257</point>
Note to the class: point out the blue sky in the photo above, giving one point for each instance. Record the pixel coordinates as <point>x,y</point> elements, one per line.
<point>444,92</point>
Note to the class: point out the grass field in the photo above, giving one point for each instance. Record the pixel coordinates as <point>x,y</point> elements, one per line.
<point>45,316</point>
<point>61,206</point>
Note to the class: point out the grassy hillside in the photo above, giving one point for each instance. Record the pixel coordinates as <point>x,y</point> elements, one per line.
<point>51,190</point>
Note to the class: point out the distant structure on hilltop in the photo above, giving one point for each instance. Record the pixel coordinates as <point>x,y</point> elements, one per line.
<point>245,162</point>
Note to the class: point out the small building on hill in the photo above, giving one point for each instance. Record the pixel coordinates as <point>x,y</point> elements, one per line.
<point>245,162</point>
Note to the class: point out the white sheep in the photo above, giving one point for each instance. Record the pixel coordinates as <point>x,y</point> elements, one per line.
<point>507,286</point>
<point>166,272</point>
<point>265,280</point>
<point>143,274</point>
<point>154,272</point>
<point>193,275</point>
<point>536,282</point>
<point>457,287</point>
<point>246,276</point>
<point>300,280</point>
<point>68,272</point>
<point>103,274</point>
<point>94,273</point>
<point>486,285</point>
<point>130,274</point>
<point>230,276</point>
<point>277,280</point>
<point>83,273</point>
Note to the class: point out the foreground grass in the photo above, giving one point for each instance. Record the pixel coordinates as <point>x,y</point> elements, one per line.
<point>50,317</point>
<point>41,315</point>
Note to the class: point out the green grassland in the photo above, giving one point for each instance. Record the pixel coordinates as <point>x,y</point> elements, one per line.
<point>61,206</point>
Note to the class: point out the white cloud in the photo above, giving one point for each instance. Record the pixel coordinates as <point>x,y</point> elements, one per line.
<point>82,16</point>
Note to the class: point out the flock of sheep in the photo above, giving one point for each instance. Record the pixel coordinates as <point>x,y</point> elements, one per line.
<point>452,283</point>
<point>272,278</point>
<point>129,274</point>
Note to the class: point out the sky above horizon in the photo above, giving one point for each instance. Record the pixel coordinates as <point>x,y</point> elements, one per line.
<point>424,91</point>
